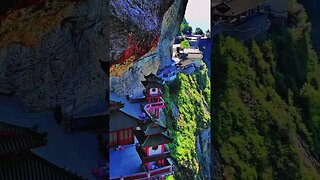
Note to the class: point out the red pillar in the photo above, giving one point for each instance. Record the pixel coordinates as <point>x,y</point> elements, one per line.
<point>162,150</point>
<point>147,153</point>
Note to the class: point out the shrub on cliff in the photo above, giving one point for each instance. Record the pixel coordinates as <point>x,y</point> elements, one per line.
<point>185,44</point>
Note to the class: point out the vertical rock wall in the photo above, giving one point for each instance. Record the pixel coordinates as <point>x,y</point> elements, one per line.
<point>51,55</point>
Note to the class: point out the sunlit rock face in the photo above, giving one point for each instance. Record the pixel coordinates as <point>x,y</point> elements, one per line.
<point>169,30</point>
<point>135,30</point>
<point>140,39</point>
<point>51,53</point>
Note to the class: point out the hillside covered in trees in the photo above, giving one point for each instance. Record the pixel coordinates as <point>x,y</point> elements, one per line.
<point>266,104</point>
<point>188,119</point>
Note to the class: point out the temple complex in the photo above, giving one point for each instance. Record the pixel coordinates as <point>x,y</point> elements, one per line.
<point>137,141</point>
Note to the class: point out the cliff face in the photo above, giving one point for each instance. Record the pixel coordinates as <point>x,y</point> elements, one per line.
<point>50,54</point>
<point>51,51</point>
<point>141,40</point>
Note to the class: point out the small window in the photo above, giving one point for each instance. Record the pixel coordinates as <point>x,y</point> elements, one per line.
<point>153,89</point>
<point>155,148</point>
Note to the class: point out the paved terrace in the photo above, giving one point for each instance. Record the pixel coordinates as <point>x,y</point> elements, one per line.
<point>125,162</point>
<point>77,151</point>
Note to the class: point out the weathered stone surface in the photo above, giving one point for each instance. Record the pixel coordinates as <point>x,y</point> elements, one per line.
<point>165,26</point>
<point>170,28</point>
<point>51,52</point>
<point>130,81</point>
<point>140,18</point>
<point>204,152</point>
<point>57,63</point>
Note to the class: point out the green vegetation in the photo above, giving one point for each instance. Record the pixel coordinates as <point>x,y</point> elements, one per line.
<point>267,104</point>
<point>185,28</point>
<point>169,177</point>
<point>185,44</point>
<point>190,96</point>
<point>198,31</point>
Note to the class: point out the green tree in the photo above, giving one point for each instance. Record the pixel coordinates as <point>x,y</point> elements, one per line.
<point>198,31</point>
<point>185,28</point>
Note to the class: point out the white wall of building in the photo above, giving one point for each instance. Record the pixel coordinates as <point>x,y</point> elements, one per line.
<point>154,152</point>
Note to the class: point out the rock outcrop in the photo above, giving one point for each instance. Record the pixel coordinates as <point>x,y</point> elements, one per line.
<point>51,50</point>
<point>143,46</point>
<point>50,54</point>
<point>204,153</point>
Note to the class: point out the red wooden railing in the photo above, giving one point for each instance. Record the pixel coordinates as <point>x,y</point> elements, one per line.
<point>155,107</point>
<point>164,171</point>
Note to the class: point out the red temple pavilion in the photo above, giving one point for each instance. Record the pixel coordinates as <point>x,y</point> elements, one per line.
<point>143,154</point>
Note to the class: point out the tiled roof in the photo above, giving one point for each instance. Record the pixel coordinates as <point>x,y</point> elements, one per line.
<point>120,120</point>
<point>15,138</point>
<point>235,7</point>
<point>152,140</point>
<point>151,127</point>
<point>149,85</point>
<point>26,165</point>
<point>152,77</point>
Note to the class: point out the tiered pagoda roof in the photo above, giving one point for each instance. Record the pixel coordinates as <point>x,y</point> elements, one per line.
<point>152,81</point>
<point>152,134</point>
<point>18,162</point>
<point>153,140</point>
<point>151,128</point>
<point>152,77</point>
<point>152,84</point>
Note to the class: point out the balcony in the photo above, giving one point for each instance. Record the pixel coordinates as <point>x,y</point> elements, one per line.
<point>251,28</point>
<point>127,165</point>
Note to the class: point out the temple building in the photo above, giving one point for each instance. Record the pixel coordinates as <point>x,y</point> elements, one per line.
<point>121,126</point>
<point>151,147</point>
<point>153,93</point>
<point>17,161</point>
<point>137,144</point>
<point>241,19</point>
<point>153,86</point>
<point>248,19</point>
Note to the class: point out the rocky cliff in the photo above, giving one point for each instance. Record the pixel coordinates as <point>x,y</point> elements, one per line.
<point>141,40</point>
<point>52,51</point>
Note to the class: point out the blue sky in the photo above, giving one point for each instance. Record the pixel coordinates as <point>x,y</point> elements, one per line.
<point>198,14</point>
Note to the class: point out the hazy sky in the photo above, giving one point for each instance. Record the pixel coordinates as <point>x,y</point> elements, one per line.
<point>198,14</point>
